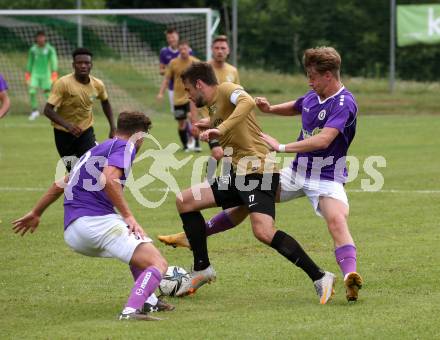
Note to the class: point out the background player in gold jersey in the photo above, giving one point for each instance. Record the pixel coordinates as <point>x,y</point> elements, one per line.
<point>224,71</point>
<point>252,181</point>
<point>70,104</point>
<point>182,104</point>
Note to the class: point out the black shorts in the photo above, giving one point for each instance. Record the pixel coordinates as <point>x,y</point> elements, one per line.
<point>181,111</point>
<point>69,145</point>
<point>256,191</point>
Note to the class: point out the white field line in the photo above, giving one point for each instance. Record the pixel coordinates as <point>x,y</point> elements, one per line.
<point>385,191</point>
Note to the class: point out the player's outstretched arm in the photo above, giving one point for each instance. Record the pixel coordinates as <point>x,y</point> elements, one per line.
<point>320,141</point>
<point>283,109</point>
<point>31,220</point>
<point>113,188</point>
<point>107,108</point>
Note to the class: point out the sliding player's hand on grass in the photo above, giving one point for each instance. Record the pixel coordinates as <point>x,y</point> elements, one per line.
<point>28,221</point>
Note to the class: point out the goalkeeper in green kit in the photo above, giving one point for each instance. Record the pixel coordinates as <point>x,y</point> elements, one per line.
<point>41,70</point>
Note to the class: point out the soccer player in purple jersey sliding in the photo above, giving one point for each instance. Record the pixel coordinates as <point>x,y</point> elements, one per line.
<point>91,225</point>
<point>4,99</point>
<point>328,114</point>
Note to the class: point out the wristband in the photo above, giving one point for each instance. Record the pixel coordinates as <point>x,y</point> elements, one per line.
<point>213,143</point>
<point>282,148</point>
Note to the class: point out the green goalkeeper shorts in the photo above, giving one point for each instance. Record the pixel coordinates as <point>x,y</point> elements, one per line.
<point>42,82</point>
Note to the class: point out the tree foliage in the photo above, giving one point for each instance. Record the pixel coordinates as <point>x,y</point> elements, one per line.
<point>273,34</point>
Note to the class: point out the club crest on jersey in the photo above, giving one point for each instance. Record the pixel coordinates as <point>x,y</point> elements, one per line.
<point>321,114</point>
<point>212,109</point>
<point>217,122</point>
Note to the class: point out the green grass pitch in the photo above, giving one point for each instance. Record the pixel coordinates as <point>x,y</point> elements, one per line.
<point>49,292</point>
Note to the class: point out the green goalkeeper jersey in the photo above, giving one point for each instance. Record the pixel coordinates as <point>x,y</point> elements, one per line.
<point>42,60</point>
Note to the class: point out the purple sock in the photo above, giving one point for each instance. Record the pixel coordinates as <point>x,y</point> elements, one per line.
<point>188,129</point>
<point>219,223</point>
<point>135,271</point>
<point>346,258</point>
<point>144,286</point>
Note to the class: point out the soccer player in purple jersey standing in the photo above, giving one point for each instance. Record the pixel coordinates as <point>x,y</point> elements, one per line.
<point>91,225</point>
<point>328,114</point>
<point>4,99</point>
<point>167,54</point>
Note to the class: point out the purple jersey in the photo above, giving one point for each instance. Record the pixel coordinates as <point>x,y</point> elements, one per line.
<point>3,84</point>
<point>165,56</point>
<point>84,194</point>
<point>339,112</point>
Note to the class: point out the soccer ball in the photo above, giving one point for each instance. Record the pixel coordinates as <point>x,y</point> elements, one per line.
<point>173,280</point>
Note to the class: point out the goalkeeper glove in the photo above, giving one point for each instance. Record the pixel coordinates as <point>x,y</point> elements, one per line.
<point>27,77</point>
<point>54,76</point>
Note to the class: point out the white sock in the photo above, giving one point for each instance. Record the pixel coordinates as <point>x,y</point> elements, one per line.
<point>152,300</point>
<point>128,310</point>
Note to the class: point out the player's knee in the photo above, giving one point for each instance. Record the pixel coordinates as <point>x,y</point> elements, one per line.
<point>181,124</point>
<point>183,202</point>
<point>180,205</point>
<point>262,233</point>
<point>337,223</point>
<point>217,153</point>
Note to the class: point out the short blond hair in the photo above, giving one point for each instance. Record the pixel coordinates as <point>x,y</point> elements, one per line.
<point>222,38</point>
<point>323,59</point>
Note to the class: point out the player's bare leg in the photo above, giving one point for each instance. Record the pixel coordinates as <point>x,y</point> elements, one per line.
<point>335,214</point>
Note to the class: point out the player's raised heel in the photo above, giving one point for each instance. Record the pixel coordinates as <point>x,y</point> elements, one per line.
<point>353,282</point>
<point>137,316</point>
<point>325,287</point>
<point>196,280</point>
<point>175,240</point>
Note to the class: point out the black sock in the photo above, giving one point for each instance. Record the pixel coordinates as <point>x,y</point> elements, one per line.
<point>183,138</point>
<point>197,142</point>
<point>292,250</point>
<point>195,230</point>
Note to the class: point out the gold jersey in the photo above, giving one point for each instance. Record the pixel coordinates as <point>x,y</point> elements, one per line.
<point>226,73</point>
<point>175,68</point>
<point>232,112</point>
<point>73,100</point>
